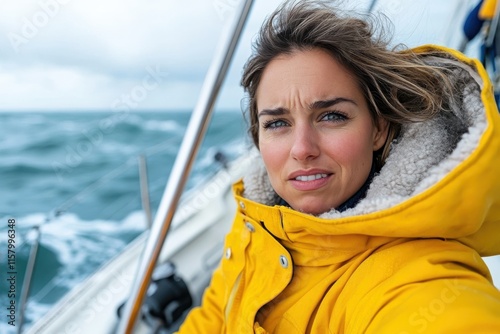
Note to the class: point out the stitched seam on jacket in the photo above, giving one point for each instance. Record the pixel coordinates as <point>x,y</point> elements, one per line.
<point>232,295</point>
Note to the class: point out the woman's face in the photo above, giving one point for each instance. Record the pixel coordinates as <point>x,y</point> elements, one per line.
<point>316,134</point>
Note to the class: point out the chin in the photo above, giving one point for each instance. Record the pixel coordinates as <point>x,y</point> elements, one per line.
<point>311,209</point>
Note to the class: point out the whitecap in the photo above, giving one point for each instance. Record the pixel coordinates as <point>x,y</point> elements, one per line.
<point>164,126</point>
<point>80,247</point>
<point>133,119</point>
<point>76,241</point>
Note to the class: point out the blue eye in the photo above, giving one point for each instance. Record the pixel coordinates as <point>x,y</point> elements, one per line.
<point>334,116</point>
<point>274,124</point>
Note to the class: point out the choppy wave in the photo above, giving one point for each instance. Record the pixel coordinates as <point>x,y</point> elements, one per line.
<point>167,126</point>
<point>70,249</point>
<point>154,125</point>
<point>79,182</point>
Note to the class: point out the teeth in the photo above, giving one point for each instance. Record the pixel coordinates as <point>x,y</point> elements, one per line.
<point>310,177</point>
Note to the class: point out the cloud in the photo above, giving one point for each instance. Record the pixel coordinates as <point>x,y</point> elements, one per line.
<point>82,54</point>
<point>68,54</point>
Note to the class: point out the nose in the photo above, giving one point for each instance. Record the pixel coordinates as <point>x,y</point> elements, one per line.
<point>305,144</point>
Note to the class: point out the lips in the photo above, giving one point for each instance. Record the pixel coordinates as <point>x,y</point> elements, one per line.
<point>311,177</point>
<point>309,174</point>
<point>307,180</point>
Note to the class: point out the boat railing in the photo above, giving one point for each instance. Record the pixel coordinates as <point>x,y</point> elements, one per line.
<point>34,235</point>
<point>192,140</point>
<point>25,290</point>
<point>143,180</point>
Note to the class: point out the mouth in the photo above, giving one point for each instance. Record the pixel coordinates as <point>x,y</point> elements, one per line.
<point>310,180</point>
<point>307,178</point>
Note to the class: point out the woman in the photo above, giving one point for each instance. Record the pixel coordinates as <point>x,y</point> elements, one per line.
<point>375,194</point>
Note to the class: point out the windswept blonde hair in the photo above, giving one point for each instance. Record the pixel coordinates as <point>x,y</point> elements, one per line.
<point>398,86</point>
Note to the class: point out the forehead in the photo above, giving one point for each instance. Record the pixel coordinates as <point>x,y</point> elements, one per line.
<point>303,77</point>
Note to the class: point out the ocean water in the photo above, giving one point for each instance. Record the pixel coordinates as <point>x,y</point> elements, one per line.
<point>75,176</point>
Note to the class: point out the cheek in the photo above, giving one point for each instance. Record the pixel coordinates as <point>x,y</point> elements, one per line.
<point>274,154</point>
<point>354,150</point>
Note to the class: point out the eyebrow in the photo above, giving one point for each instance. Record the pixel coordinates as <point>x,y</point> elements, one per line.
<point>273,112</point>
<point>321,104</point>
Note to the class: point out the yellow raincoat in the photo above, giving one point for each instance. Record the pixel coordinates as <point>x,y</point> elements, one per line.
<point>405,259</point>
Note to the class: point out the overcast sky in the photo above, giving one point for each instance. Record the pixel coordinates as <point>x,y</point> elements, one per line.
<point>60,55</point>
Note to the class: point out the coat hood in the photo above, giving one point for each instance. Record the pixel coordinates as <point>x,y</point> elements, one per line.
<point>440,180</point>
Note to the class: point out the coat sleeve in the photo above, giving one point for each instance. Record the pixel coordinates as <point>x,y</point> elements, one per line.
<point>207,318</point>
<point>440,287</point>
<point>449,305</point>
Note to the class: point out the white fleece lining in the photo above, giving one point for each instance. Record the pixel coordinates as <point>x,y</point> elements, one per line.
<point>423,154</point>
